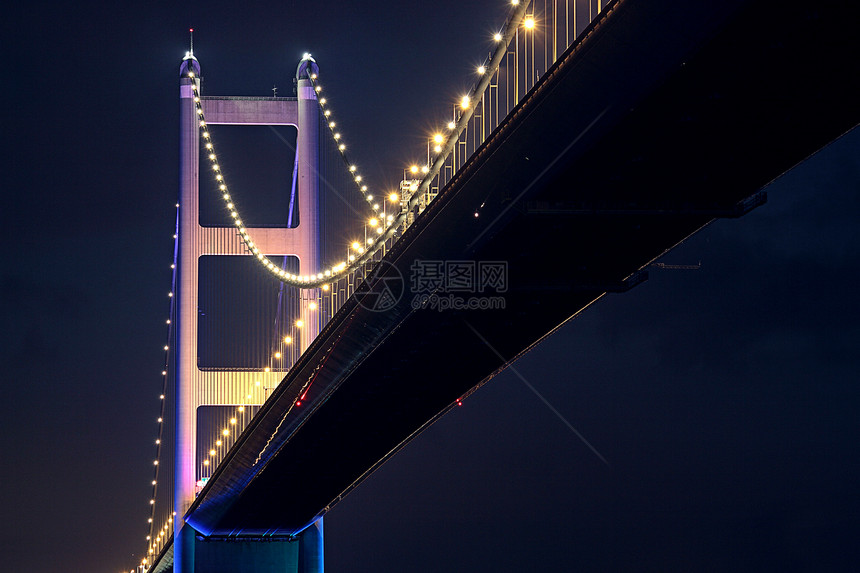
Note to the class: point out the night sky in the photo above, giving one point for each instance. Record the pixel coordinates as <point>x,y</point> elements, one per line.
<point>724,399</point>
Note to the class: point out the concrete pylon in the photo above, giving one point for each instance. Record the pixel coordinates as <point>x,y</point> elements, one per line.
<point>194,387</point>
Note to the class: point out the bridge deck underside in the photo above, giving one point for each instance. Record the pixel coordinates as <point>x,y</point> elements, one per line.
<point>665,116</point>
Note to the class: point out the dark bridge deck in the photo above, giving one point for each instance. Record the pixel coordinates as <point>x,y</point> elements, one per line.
<point>663,117</point>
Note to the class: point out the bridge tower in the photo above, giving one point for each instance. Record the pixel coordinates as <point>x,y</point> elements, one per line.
<point>196,387</point>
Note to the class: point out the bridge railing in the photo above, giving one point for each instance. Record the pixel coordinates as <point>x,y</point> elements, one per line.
<point>531,40</point>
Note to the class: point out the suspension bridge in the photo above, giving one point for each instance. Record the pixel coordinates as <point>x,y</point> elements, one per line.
<point>310,341</point>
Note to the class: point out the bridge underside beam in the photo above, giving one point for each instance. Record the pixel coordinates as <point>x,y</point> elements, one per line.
<point>579,209</point>
<point>664,103</point>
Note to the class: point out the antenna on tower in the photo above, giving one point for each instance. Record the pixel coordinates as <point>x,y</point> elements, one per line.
<point>191,34</point>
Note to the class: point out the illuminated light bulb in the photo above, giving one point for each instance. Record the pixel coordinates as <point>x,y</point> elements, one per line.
<point>196,99</point>
<point>267,369</point>
<point>161,397</point>
<point>313,76</point>
<point>352,168</point>
<point>327,112</point>
<point>212,453</point>
<point>277,354</point>
<point>218,443</point>
<point>312,306</point>
<point>438,138</point>
<point>298,402</point>
<point>414,169</point>
<point>465,102</point>
<point>425,169</point>
<point>437,149</point>
<point>379,230</point>
<point>170,294</point>
<point>173,266</point>
<point>166,347</point>
<point>325,287</point>
<point>225,432</point>
<point>364,187</point>
<point>211,156</point>
<point>337,136</point>
<point>208,146</point>
<point>164,372</point>
<point>373,222</point>
<point>529,22</point>
<point>160,420</point>
<point>206,134</point>
<point>482,70</point>
<point>157,442</point>
<point>288,340</point>
<point>351,258</point>
<point>318,89</point>
<point>358,178</point>
<point>331,124</point>
<point>153,482</point>
<point>393,197</point>
<point>151,502</point>
<point>376,206</point>
<point>218,177</point>
<point>356,245</point>
<point>241,408</point>
<point>515,2</point>
<point>300,323</point>
<point>205,462</point>
<point>233,421</point>
<point>155,463</point>
<point>370,240</point>
<point>249,396</point>
<point>370,197</point>
<point>322,101</point>
<point>342,147</point>
<point>497,37</point>
<point>451,125</point>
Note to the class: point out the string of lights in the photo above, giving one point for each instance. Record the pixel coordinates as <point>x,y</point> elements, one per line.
<point>327,275</point>
<point>153,539</point>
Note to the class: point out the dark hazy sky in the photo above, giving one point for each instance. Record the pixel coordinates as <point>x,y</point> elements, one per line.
<point>724,399</point>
